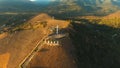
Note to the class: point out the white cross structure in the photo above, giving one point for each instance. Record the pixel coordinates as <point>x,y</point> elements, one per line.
<point>52,40</point>
<point>57,29</point>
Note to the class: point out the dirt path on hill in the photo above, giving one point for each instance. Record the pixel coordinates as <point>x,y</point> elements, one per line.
<point>55,56</point>
<point>18,45</point>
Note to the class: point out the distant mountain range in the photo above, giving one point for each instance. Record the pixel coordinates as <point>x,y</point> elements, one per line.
<point>68,7</point>
<point>85,7</point>
<point>20,6</point>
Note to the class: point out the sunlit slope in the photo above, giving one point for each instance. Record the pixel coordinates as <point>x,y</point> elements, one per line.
<point>55,56</point>
<point>23,38</point>
<point>112,19</point>
<point>83,7</point>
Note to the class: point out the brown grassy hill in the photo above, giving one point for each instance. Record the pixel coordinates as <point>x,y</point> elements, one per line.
<point>110,16</point>
<point>3,35</point>
<point>55,56</point>
<point>112,19</point>
<point>94,45</point>
<point>3,63</point>
<point>40,17</point>
<point>113,15</point>
<point>24,38</point>
<point>18,45</point>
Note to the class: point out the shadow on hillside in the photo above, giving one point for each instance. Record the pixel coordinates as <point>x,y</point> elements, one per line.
<point>44,50</point>
<point>97,46</point>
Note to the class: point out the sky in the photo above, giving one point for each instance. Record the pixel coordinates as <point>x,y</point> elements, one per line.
<point>34,1</point>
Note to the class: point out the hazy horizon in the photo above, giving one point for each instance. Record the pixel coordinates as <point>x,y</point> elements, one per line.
<point>99,7</point>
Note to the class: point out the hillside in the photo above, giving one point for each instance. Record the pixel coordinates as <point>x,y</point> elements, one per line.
<point>112,19</point>
<point>18,45</point>
<point>21,39</point>
<point>83,7</point>
<point>96,40</point>
<point>89,45</point>
<point>61,56</point>
<point>97,46</point>
<point>113,15</point>
<point>55,56</point>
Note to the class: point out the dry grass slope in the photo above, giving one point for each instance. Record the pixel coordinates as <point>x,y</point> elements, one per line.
<point>24,38</point>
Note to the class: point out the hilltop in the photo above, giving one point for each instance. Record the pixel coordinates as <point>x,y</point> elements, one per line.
<point>21,39</point>
<point>89,45</point>
<point>61,56</point>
